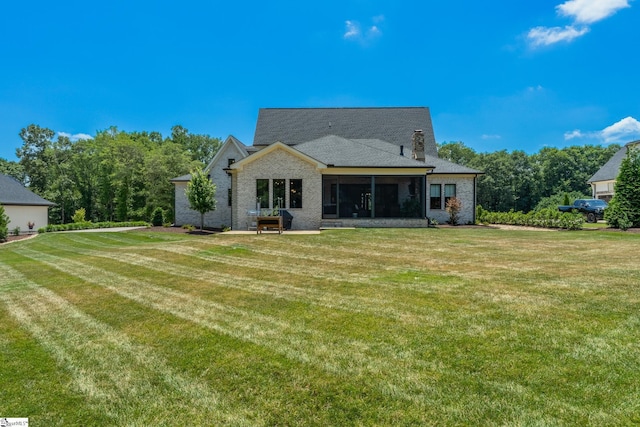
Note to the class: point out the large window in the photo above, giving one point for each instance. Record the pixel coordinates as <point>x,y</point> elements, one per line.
<point>435,196</point>
<point>449,192</point>
<point>262,192</point>
<point>279,192</point>
<point>295,193</point>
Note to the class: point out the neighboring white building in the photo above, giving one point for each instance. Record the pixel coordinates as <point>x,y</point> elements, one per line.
<point>363,167</point>
<point>603,182</point>
<point>22,206</point>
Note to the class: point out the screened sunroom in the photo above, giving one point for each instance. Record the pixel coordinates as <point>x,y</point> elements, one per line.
<point>373,196</point>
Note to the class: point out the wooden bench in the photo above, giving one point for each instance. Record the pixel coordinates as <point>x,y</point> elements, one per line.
<point>269,222</point>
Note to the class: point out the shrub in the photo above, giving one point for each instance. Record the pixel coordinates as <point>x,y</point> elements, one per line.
<point>16,231</point>
<point>79,216</point>
<point>4,225</point>
<point>616,217</point>
<point>453,208</point>
<point>157,217</point>
<point>92,225</point>
<point>545,218</point>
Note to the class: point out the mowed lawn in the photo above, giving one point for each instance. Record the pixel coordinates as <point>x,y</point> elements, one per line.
<point>450,326</point>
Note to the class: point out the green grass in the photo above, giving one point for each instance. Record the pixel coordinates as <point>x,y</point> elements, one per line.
<point>595,225</point>
<point>359,327</point>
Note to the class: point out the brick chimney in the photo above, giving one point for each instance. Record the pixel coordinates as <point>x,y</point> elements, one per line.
<point>417,145</point>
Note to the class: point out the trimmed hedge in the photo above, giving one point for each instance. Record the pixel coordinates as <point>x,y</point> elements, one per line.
<point>544,218</point>
<point>88,225</point>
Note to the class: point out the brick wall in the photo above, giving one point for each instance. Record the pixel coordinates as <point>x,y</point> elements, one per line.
<point>222,215</point>
<point>465,191</point>
<point>279,164</point>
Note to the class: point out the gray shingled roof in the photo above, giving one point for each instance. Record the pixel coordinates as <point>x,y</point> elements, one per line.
<point>445,166</point>
<point>14,193</point>
<point>183,178</point>
<point>342,152</point>
<point>609,171</point>
<point>294,126</point>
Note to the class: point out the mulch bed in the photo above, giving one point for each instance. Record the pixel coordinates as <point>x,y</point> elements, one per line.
<point>13,238</point>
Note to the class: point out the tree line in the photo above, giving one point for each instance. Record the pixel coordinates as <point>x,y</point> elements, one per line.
<point>524,182</point>
<point>115,176</point>
<point>125,176</point>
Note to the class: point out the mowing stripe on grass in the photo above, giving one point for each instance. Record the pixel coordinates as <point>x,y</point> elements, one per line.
<point>386,365</point>
<point>119,377</point>
<point>316,269</point>
<point>351,303</point>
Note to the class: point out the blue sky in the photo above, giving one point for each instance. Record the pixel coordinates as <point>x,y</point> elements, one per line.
<point>496,74</point>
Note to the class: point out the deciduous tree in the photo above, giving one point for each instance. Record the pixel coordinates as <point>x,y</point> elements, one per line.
<point>200,193</point>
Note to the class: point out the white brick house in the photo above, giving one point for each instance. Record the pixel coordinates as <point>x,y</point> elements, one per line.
<point>231,151</point>
<point>336,166</point>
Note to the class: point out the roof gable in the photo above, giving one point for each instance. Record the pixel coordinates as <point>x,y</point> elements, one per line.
<point>230,143</point>
<point>239,165</point>
<point>394,125</point>
<point>14,193</point>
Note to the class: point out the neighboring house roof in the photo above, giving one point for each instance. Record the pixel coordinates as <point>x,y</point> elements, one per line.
<point>610,170</point>
<point>294,126</point>
<point>13,192</point>
<point>342,152</point>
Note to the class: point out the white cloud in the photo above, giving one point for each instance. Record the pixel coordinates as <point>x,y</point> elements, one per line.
<point>590,11</point>
<point>577,133</point>
<point>626,129</point>
<point>353,30</point>
<point>544,36</point>
<point>75,137</point>
<point>583,13</point>
<point>374,31</point>
<point>623,131</point>
<point>485,137</point>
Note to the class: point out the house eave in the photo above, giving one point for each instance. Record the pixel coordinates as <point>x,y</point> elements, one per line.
<point>375,170</point>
